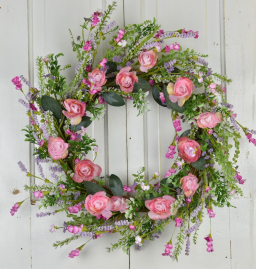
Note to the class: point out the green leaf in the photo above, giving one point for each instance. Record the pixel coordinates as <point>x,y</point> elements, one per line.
<point>86,121</point>
<point>113,99</point>
<point>49,103</point>
<point>170,185</point>
<point>156,96</point>
<point>199,164</point>
<point>142,84</point>
<point>112,67</point>
<point>92,187</point>
<point>170,104</point>
<point>186,133</point>
<point>115,185</point>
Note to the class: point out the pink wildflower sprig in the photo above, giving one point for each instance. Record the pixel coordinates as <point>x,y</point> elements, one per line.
<point>211,213</point>
<point>168,250</point>
<point>178,222</point>
<point>171,151</point>
<point>16,81</point>
<point>209,243</point>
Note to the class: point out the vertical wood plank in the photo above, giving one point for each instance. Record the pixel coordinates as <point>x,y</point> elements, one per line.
<point>135,124</point>
<point>15,235</point>
<point>240,36</point>
<point>48,39</point>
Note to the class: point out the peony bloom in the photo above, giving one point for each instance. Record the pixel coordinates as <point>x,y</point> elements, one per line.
<point>189,150</point>
<point>160,208</point>
<point>86,170</point>
<point>98,204</point>
<point>57,148</point>
<point>209,120</point>
<point>147,60</point>
<point>75,110</point>
<point>118,204</point>
<point>181,90</point>
<point>98,78</point>
<point>126,79</point>
<point>189,184</point>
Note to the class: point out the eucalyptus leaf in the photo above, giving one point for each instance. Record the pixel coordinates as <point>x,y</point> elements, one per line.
<point>199,164</point>
<point>113,99</point>
<point>86,121</point>
<point>186,133</point>
<point>115,185</point>
<point>49,103</point>
<point>156,96</point>
<point>112,67</point>
<point>142,84</point>
<point>92,187</point>
<point>170,104</point>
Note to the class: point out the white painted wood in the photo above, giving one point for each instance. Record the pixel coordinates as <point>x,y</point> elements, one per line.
<point>240,37</point>
<point>15,230</point>
<point>131,142</point>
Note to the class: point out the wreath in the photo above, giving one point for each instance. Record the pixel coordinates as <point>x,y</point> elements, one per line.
<point>203,174</point>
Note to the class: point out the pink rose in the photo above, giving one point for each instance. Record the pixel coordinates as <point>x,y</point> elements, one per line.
<point>209,120</point>
<point>181,91</point>
<point>126,79</point>
<point>147,60</point>
<point>57,148</point>
<point>98,204</point>
<point>98,78</point>
<point>118,204</point>
<point>160,208</point>
<point>189,184</point>
<point>189,150</point>
<point>86,170</point>
<point>75,110</point>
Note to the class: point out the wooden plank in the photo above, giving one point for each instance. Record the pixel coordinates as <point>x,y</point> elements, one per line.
<point>240,39</point>
<point>55,39</point>
<point>15,235</point>
<point>204,17</point>
<point>135,124</point>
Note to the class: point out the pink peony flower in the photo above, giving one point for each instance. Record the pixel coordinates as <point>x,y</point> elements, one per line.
<point>86,170</point>
<point>209,120</point>
<point>98,204</point>
<point>118,204</point>
<point>189,184</point>
<point>181,90</point>
<point>75,110</point>
<point>147,60</point>
<point>57,148</point>
<point>160,208</point>
<point>189,149</point>
<point>126,79</point>
<point>98,78</point>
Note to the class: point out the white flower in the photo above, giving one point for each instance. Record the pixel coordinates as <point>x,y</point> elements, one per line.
<point>156,174</point>
<point>138,240</point>
<point>144,187</point>
<point>122,43</point>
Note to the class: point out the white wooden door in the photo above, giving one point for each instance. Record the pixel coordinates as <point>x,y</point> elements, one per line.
<point>227,33</point>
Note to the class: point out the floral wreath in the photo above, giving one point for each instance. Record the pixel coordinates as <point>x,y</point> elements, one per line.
<point>59,114</point>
